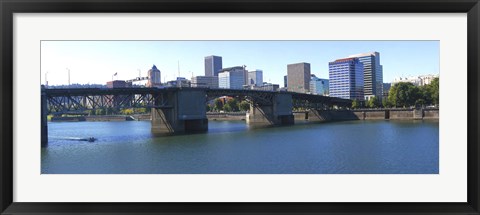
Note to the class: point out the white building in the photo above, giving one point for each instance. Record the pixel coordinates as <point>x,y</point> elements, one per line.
<point>231,79</point>
<point>420,80</point>
<point>255,77</point>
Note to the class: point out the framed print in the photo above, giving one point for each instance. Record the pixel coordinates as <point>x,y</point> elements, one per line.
<point>238,107</point>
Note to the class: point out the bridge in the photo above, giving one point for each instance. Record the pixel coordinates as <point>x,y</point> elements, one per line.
<point>183,110</point>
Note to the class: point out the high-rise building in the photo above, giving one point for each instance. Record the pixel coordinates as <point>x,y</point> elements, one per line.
<point>298,77</point>
<point>285,78</point>
<point>346,78</point>
<point>319,86</point>
<point>372,74</point>
<point>255,77</point>
<point>205,81</point>
<point>213,65</point>
<point>154,77</point>
<point>232,78</point>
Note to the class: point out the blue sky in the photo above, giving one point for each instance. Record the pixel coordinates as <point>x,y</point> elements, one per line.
<point>96,61</point>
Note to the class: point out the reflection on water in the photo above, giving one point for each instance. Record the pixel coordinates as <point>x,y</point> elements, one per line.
<point>360,147</point>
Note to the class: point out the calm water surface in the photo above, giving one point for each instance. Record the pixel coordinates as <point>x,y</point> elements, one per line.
<point>360,147</point>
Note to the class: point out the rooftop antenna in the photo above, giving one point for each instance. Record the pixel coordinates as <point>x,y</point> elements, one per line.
<point>139,73</point>
<point>178,62</point>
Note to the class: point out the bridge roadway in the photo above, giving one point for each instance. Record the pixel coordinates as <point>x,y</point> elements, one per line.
<point>183,110</point>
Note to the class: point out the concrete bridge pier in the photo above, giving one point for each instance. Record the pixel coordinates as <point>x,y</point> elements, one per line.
<point>279,112</point>
<point>181,111</point>
<point>44,121</point>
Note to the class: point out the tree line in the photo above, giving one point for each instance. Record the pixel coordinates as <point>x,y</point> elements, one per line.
<point>405,94</point>
<point>117,111</point>
<point>228,105</point>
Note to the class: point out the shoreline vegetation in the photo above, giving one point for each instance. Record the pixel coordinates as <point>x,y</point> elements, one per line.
<point>358,114</point>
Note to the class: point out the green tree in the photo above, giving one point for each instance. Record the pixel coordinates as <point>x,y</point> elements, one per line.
<point>127,111</point>
<point>355,104</point>
<point>140,110</point>
<point>244,106</point>
<point>218,104</point>
<point>373,102</point>
<point>385,103</point>
<point>434,91</point>
<point>100,111</point>
<point>426,94</point>
<point>420,103</point>
<point>233,103</point>
<point>404,94</point>
<point>227,107</point>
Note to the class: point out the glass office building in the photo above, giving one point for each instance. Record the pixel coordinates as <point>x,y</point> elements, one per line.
<point>255,77</point>
<point>319,86</point>
<point>205,81</point>
<point>372,73</point>
<point>231,79</point>
<point>346,79</point>
<point>213,65</point>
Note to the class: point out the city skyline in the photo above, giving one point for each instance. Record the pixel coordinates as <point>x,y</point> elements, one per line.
<point>95,62</point>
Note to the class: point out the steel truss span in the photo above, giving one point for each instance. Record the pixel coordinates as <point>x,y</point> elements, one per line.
<point>78,100</point>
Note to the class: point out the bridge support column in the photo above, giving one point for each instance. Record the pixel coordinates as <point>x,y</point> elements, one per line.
<point>44,120</point>
<point>279,112</point>
<point>183,111</point>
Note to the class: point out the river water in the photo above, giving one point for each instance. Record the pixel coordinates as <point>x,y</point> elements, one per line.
<point>232,147</point>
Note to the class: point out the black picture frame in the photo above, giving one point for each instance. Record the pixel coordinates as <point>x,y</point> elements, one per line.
<point>9,7</point>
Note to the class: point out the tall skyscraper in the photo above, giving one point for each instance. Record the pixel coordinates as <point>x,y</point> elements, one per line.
<point>372,73</point>
<point>255,77</point>
<point>213,65</point>
<point>232,78</point>
<point>346,78</point>
<point>298,77</point>
<point>285,78</point>
<point>153,77</point>
<point>319,86</point>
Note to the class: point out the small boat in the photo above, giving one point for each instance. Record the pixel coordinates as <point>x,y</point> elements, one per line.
<point>89,139</point>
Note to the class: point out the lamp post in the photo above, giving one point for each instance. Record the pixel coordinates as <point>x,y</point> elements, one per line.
<point>68,76</point>
<point>245,75</point>
<point>46,82</point>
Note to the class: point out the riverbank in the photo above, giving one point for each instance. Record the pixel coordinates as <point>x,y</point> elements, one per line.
<point>361,114</point>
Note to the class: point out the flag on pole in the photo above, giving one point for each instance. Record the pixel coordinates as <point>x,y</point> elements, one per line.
<point>115,74</point>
